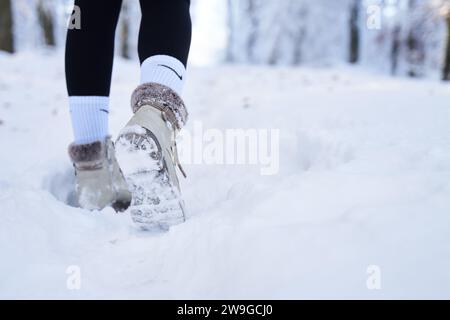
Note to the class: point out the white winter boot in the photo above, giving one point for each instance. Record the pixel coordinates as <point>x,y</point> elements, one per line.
<point>99,180</point>
<point>147,153</point>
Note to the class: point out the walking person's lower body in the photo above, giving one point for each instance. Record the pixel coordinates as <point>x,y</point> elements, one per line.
<point>145,148</point>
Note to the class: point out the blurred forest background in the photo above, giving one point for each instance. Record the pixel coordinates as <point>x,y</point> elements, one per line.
<point>398,37</point>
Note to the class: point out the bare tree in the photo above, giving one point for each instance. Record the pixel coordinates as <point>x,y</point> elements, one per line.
<point>445,11</point>
<point>415,46</point>
<point>125,31</point>
<point>395,49</point>
<point>355,10</point>
<point>47,23</point>
<point>229,54</point>
<point>446,67</point>
<point>6,26</point>
<point>252,11</point>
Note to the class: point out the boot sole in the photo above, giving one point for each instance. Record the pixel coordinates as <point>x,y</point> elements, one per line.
<point>156,203</point>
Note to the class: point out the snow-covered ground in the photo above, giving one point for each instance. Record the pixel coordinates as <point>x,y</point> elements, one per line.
<point>364,181</point>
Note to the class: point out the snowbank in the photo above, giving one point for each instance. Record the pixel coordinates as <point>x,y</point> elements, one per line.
<point>364,181</point>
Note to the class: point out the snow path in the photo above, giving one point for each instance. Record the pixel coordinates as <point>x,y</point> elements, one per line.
<point>364,180</point>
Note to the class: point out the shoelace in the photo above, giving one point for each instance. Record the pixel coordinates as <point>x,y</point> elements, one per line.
<point>175,157</point>
<point>173,149</point>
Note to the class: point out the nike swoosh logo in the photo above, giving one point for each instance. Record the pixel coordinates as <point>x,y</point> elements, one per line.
<point>163,65</point>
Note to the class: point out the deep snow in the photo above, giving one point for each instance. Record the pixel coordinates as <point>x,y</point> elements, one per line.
<point>364,180</point>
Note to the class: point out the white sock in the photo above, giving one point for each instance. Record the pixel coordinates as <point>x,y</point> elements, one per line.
<point>89,118</point>
<point>165,70</point>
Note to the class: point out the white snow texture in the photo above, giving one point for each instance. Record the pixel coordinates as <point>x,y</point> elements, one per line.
<point>364,181</point>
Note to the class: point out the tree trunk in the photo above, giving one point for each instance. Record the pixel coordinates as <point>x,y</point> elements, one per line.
<point>415,47</point>
<point>395,49</point>
<point>254,23</point>
<point>125,32</point>
<point>47,24</point>
<point>230,54</point>
<point>446,69</point>
<point>6,26</point>
<point>414,55</point>
<point>354,32</point>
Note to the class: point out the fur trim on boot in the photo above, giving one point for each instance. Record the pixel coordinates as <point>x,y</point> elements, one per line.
<point>162,98</point>
<point>86,152</point>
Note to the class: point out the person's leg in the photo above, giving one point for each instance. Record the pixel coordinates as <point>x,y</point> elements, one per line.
<point>164,42</point>
<point>146,147</point>
<point>89,61</point>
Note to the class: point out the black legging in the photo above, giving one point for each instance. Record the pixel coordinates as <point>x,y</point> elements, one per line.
<point>165,29</point>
